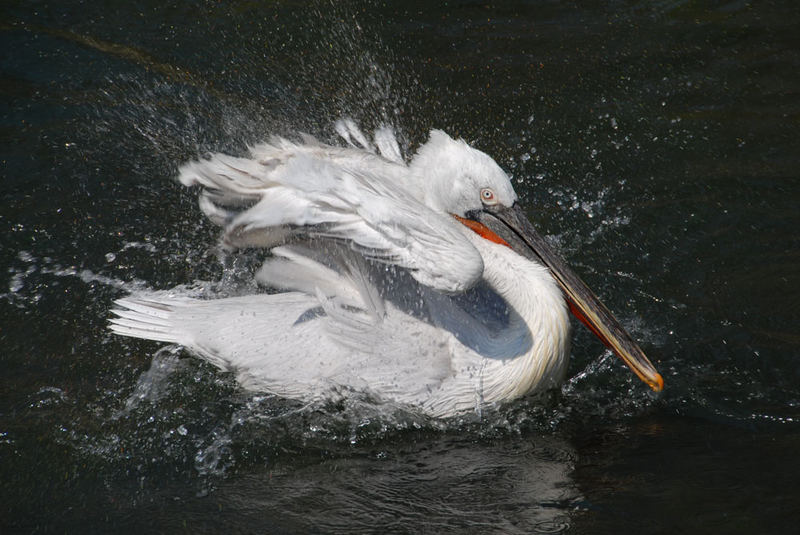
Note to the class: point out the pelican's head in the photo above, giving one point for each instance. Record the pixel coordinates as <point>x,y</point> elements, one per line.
<point>454,175</point>
<point>469,185</point>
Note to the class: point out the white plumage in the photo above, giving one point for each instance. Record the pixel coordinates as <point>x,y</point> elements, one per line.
<point>380,288</point>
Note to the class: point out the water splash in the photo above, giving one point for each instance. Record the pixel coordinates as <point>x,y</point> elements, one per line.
<point>153,384</point>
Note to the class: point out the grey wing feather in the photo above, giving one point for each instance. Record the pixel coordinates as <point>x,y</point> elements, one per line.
<point>288,192</point>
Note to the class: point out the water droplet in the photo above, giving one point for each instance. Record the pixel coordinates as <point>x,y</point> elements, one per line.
<point>16,283</point>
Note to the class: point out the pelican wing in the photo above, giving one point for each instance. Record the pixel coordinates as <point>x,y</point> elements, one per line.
<point>331,330</point>
<point>287,192</point>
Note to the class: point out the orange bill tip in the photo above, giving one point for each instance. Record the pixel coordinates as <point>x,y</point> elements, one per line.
<point>658,383</point>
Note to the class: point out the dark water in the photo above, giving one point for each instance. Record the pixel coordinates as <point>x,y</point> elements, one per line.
<point>656,143</point>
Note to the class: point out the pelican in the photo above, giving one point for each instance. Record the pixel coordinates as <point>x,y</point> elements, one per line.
<point>419,283</point>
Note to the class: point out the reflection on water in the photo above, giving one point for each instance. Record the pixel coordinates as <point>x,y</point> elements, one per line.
<point>655,144</point>
<point>527,489</point>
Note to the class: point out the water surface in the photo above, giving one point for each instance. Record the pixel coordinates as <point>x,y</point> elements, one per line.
<point>655,143</point>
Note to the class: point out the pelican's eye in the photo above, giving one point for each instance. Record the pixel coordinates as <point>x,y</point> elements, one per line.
<point>487,196</point>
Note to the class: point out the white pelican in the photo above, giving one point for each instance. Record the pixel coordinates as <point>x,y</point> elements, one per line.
<point>418,283</point>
